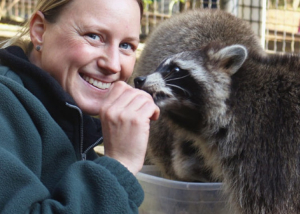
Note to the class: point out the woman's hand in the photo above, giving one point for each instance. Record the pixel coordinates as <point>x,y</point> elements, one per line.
<point>125,117</point>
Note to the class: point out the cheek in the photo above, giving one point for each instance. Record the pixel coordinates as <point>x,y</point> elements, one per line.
<point>64,64</point>
<point>72,56</point>
<point>127,68</point>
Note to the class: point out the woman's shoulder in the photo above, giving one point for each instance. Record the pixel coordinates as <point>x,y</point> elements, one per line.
<point>8,73</point>
<point>13,90</point>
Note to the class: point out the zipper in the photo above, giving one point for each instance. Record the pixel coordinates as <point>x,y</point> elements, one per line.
<point>83,157</point>
<point>99,141</point>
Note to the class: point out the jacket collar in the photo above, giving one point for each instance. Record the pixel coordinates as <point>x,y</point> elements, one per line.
<point>42,85</point>
<point>34,78</point>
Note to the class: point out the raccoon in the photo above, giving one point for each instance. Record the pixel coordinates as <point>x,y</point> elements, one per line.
<point>239,112</point>
<point>186,32</point>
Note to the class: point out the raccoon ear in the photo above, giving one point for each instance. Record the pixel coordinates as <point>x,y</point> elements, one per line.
<point>231,58</point>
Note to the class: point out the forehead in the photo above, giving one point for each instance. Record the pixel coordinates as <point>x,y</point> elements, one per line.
<point>126,13</point>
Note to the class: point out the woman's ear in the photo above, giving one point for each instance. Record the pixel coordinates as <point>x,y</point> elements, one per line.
<point>37,28</point>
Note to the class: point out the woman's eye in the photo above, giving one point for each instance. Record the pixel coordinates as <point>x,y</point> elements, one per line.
<point>94,36</point>
<point>126,46</point>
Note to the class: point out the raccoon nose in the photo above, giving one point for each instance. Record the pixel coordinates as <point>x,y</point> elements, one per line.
<point>139,81</point>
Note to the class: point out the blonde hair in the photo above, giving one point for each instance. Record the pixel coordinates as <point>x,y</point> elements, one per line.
<point>51,10</point>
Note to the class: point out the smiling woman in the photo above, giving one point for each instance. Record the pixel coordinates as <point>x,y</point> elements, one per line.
<point>75,64</point>
<point>89,45</point>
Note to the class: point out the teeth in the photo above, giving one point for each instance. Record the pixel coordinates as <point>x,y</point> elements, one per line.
<point>96,83</point>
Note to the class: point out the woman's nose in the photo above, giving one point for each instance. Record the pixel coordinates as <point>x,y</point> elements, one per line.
<point>110,60</point>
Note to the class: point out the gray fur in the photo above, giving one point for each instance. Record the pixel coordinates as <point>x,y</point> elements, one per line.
<point>245,119</point>
<point>231,113</point>
<point>185,32</point>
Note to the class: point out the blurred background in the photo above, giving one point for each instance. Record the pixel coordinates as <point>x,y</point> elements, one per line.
<point>276,22</point>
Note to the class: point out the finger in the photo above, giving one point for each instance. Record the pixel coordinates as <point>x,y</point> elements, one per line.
<point>116,91</point>
<point>143,106</point>
<point>153,110</point>
<point>130,99</point>
<point>156,113</point>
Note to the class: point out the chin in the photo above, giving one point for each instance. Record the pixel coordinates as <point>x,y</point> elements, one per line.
<point>89,107</point>
<point>90,111</point>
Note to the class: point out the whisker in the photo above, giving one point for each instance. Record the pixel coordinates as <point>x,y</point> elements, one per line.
<point>177,78</point>
<point>185,91</point>
<point>168,74</point>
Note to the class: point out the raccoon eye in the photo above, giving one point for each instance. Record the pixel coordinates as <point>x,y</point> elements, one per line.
<point>172,71</point>
<point>175,69</point>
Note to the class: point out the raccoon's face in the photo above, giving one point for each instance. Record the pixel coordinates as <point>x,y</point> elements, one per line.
<point>192,86</point>
<point>170,83</point>
<point>178,87</point>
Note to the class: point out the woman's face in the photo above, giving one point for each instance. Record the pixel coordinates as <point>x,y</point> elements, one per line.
<point>90,46</point>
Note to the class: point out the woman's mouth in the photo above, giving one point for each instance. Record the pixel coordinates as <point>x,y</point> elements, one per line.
<point>96,83</point>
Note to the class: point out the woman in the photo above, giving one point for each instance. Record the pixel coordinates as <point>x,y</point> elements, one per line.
<point>77,61</point>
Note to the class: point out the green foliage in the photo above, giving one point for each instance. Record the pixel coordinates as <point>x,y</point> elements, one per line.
<point>148,1</point>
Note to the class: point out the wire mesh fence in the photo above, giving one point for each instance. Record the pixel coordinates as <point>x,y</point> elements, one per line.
<point>159,10</point>
<point>16,10</point>
<point>156,11</point>
<point>282,26</point>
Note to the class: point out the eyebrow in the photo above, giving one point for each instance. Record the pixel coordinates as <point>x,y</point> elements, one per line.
<point>103,28</point>
<point>134,39</point>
